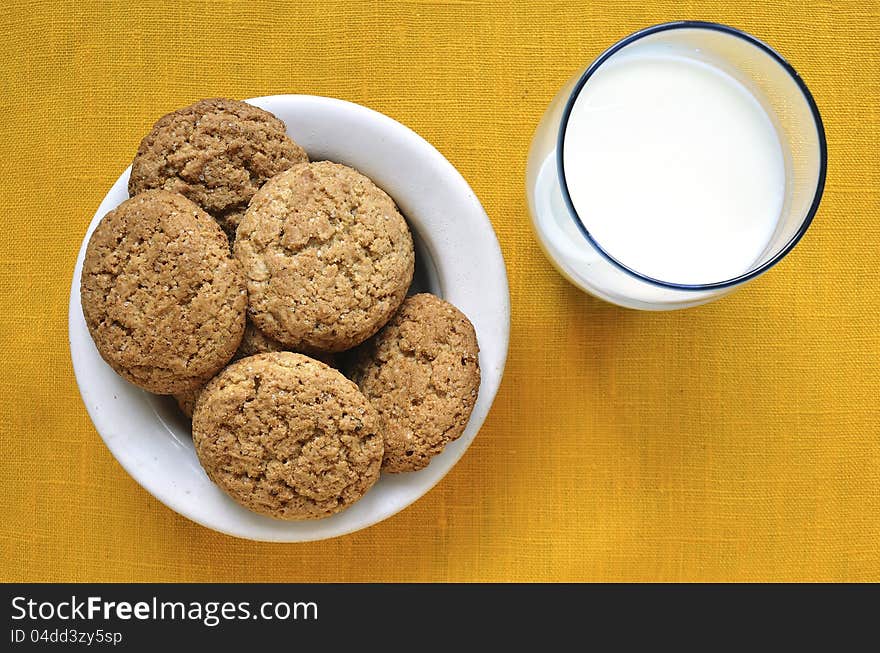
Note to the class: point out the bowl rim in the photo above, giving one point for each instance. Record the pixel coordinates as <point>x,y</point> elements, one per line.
<point>458,187</point>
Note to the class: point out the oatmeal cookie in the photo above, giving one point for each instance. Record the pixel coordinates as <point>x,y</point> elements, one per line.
<point>216,152</point>
<point>286,436</point>
<point>163,299</point>
<point>422,374</point>
<point>327,255</point>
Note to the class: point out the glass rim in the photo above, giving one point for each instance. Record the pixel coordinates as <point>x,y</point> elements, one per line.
<point>811,103</point>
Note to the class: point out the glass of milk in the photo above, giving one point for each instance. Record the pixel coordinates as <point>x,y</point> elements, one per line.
<point>688,159</point>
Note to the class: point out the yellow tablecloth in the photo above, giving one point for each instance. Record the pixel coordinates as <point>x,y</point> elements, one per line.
<point>737,441</point>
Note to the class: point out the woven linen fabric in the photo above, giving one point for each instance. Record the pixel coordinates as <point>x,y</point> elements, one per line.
<point>739,441</point>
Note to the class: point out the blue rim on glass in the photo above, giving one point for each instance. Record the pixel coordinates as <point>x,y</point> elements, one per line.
<point>697,24</point>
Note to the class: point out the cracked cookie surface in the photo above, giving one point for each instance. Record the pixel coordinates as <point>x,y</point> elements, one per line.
<point>162,298</point>
<point>327,255</point>
<point>217,152</point>
<point>286,436</point>
<point>422,374</point>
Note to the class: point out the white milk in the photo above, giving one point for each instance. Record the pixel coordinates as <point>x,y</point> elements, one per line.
<point>674,167</point>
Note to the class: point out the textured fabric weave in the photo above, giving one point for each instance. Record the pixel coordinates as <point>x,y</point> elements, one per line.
<point>737,441</point>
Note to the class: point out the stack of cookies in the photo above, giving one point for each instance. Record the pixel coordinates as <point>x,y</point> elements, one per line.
<point>248,282</point>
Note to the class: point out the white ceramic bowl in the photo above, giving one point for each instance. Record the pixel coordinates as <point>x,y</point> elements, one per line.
<point>457,258</point>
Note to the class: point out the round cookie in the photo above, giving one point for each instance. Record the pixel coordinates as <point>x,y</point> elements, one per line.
<point>163,299</point>
<point>287,436</point>
<point>216,152</point>
<point>253,342</point>
<point>422,373</point>
<point>327,255</point>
